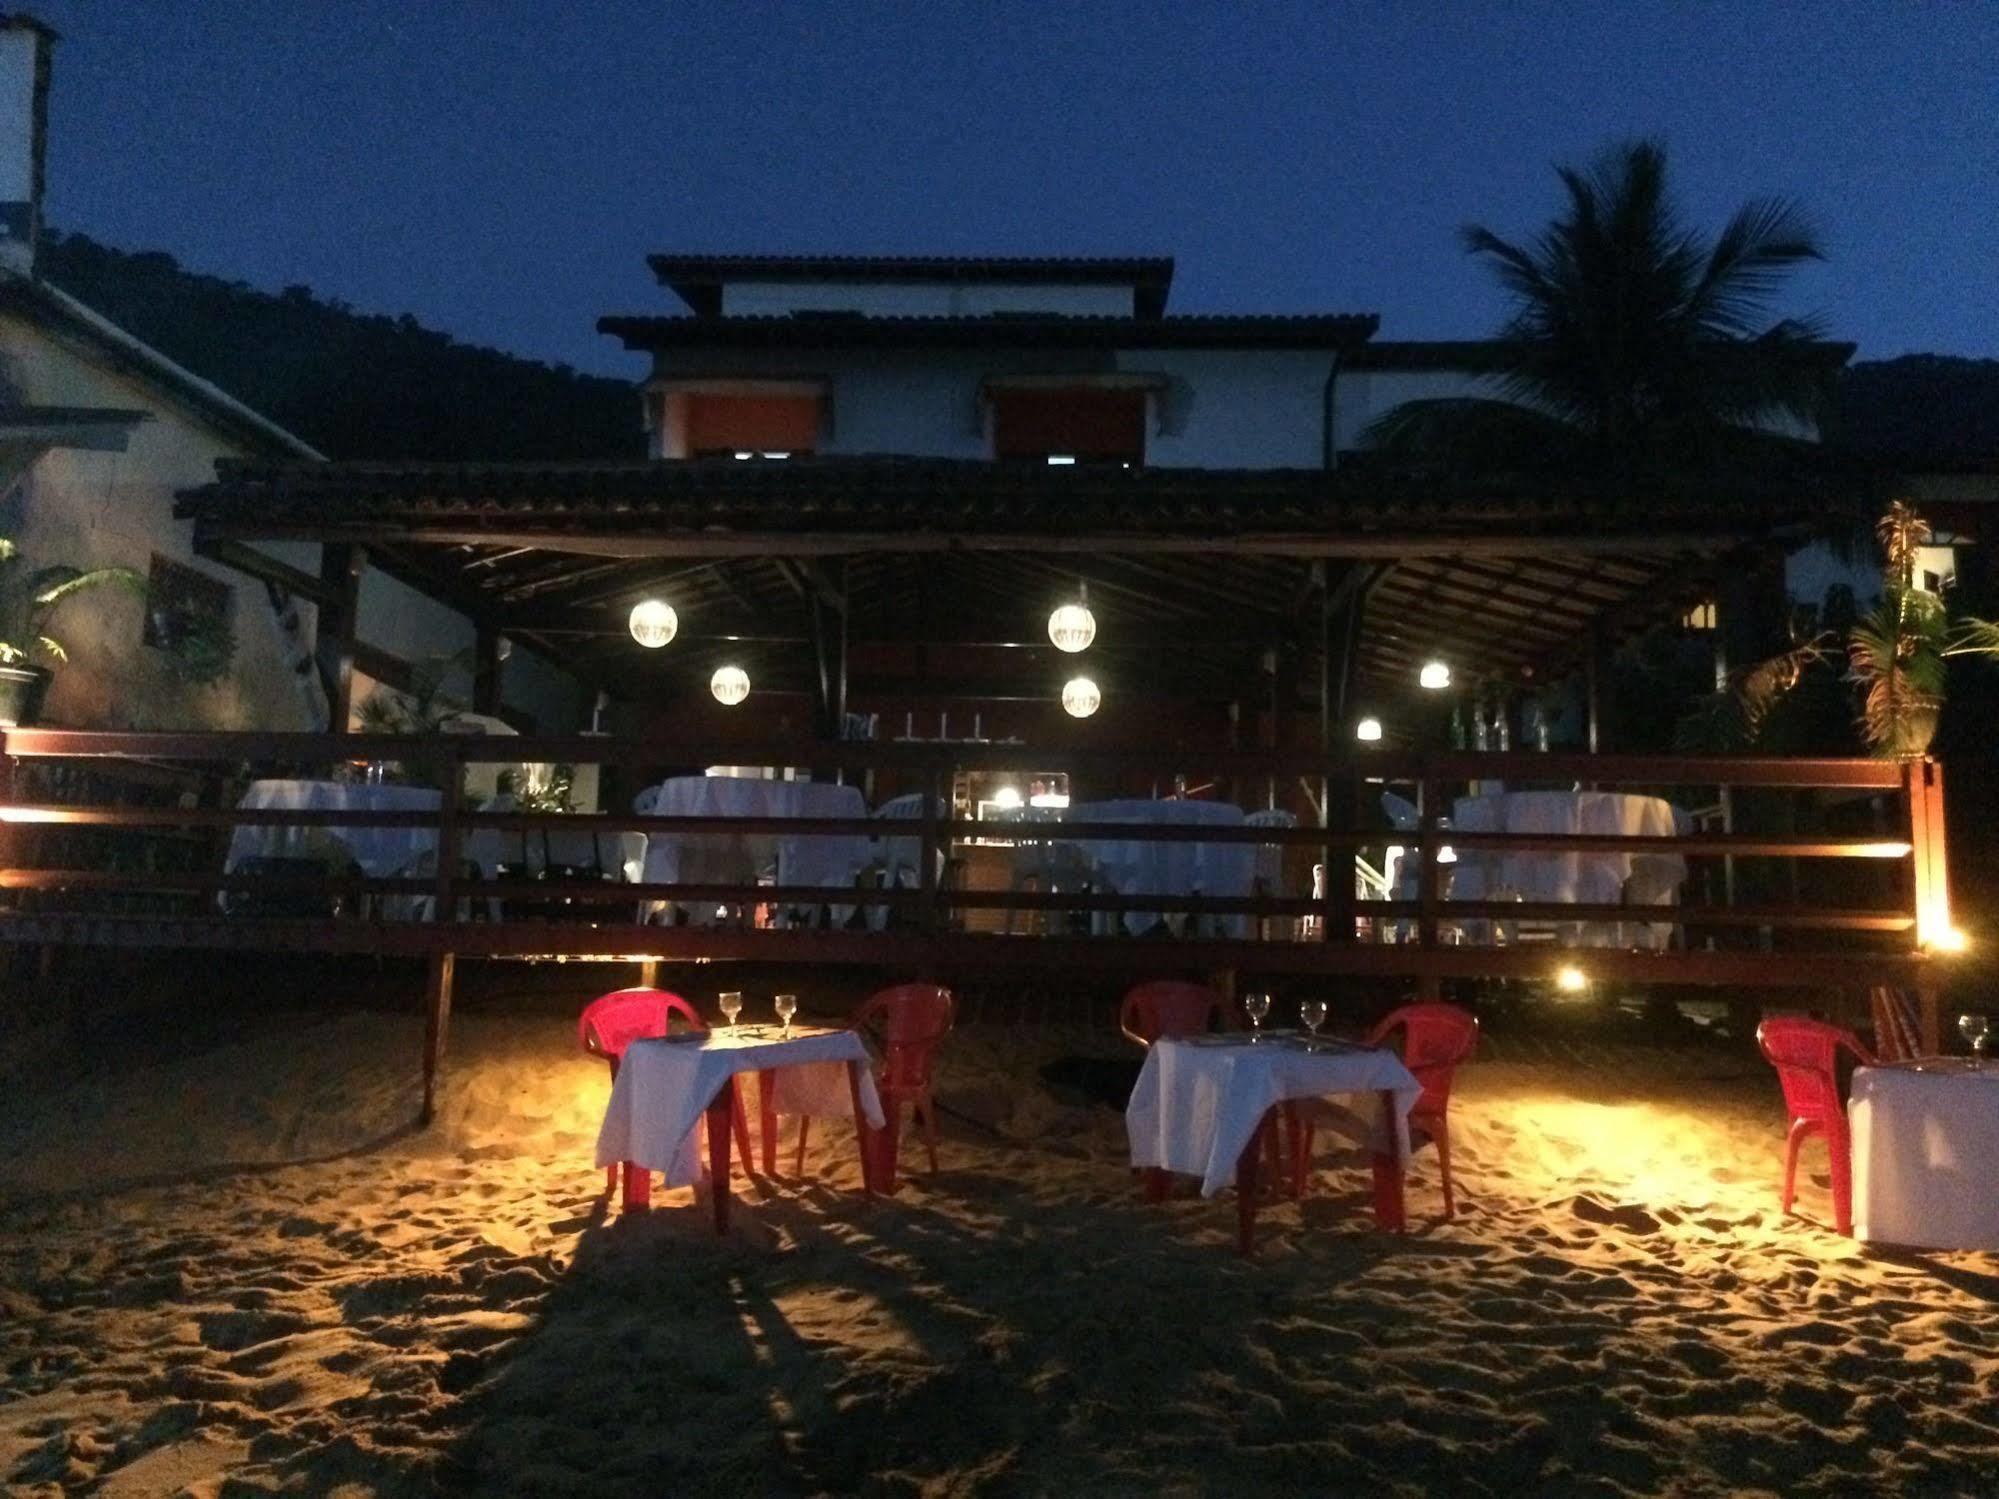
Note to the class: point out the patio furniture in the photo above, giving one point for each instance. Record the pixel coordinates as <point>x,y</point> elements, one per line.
<point>1805,1053</point>
<point>908,1023</point>
<point>1631,878</point>
<point>1925,1135</point>
<point>727,858</point>
<point>667,1084</point>
<point>1204,1105</point>
<point>1268,879</point>
<point>607,1027</point>
<point>1175,867</point>
<point>1172,1007</point>
<point>377,852</point>
<point>1436,1040</point>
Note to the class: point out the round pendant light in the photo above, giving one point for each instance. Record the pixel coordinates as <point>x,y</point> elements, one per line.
<point>1080,697</point>
<point>653,623</point>
<point>1072,627</point>
<point>1435,675</point>
<point>730,684</point>
<point>1368,731</point>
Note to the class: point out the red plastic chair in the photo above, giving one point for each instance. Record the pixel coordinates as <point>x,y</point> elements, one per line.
<point>1805,1053</point>
<point>907,1023</point>
<point>1171,1007</point>
<point>613,1022</point>
<point>1436,1038</point>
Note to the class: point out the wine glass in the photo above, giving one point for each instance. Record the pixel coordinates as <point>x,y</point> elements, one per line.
<point>731,1001</point>
<point>1313,1013</point>
<point>786,1006</point>
<point>1977,1029</point>
<point>1256,1006</point>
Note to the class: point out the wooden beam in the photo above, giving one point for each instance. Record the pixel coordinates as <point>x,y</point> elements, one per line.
<point>340,570</point>
<point>247,559</point>
<point>436,1025</point>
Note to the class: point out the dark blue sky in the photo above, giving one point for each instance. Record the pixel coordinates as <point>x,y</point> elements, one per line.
<point>500,169</point>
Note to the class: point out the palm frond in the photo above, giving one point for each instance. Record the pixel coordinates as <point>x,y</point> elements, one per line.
<point>1762,242</point>
<point>54,648</point>
<point>52,585</point>
<point>1970,636</point>
<point>1901,531</point>
<point>1473,435</point>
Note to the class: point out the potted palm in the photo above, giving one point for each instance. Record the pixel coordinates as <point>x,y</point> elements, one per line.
<point>1897,654</point>
<point>27,598</point>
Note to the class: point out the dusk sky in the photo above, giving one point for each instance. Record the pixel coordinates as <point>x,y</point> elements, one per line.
<point>501,169</point>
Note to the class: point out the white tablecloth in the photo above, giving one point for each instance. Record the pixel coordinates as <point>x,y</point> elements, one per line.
<point>381,852</point>
<point>1926,1155</point>
<point>663,1086</point>
<point>1175,868</point>
<point>1198,1101</point>
<point>739,858</point>
<point>1612,879</point>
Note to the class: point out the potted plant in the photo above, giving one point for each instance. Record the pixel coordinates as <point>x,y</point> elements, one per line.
<point>27,598</point>
<point>1897,653</point>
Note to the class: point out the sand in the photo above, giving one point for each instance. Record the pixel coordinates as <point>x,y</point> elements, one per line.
<point>239,1272</point>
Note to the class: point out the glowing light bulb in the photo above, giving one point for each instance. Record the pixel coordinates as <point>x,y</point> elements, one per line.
<point>1571,980</point>
<point>730,684</point>
<point>1080,697</point>
<point>653,623</point>
<point>1007,798</point>
<point>1368,730</point>
<point>1072,627</point>
<point>1435,675</point>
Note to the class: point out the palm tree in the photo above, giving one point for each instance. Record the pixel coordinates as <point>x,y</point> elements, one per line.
<point>1635,346</point>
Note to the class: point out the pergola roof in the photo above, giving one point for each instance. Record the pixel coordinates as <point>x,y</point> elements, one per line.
<point>1194,574</point>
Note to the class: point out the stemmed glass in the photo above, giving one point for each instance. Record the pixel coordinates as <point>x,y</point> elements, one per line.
<point>786,1006</point>
<point>731,1001</point>
<point>1977,1029</point>
<point>1256,1006</point>
<point>1313,1013</point>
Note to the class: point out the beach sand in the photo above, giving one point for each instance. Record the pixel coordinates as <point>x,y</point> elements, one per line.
<point>240,1271</point>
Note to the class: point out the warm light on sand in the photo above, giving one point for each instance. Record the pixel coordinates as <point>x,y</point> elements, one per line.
<point>1571,980</point>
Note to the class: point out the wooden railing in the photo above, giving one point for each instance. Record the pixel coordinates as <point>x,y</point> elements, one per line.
<point>1894,912</point>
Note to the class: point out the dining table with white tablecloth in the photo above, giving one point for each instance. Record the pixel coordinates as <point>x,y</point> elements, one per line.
<point>1925,1140</point>
<point>1630,877</point>
<point>381,853</point>
<point>1167,867</point>
<point>730,858</point>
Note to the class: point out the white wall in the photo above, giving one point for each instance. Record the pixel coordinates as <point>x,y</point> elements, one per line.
<point>923,299</point>
<point>91,509</point>
<point>1223,408</point>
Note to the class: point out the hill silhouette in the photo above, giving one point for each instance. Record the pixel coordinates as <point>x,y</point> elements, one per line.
<point>353,384</point>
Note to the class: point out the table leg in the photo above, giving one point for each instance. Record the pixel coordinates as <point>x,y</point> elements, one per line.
<point>767,1118</point>
<point>863,1134</point>
<point>1246,1168</point>
<point>720,1117</point>
<point>1156,1183</point>
<point>1389,1170</point>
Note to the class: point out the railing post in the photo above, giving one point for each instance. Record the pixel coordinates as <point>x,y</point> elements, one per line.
<point>1337,917</point>
<point>927,847</point>
<point>448,835</point>
<point>1427,793</point>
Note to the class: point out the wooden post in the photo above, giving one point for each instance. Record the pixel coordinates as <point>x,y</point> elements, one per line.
<point>436,1026</point>
<point>448,835</point>
<point>487,674</point>
<point>340,568</point>
<point>927,848</point>
<point>1595,665</point>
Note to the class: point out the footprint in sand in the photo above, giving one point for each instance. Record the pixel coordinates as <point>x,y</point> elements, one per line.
<point>1629,1216</point>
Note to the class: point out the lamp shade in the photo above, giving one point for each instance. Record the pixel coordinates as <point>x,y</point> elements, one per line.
<point>653,623</point>
<point>1080,697</point>
<point>730,684</point>
<point>1435,675</point>
<point>1072,627</point>
<point>1368,730</point>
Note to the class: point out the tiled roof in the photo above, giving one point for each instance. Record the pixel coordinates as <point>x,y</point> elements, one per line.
<point>886,496</point>
<point>819,330</point>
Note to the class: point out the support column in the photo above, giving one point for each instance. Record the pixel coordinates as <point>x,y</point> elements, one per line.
<point>1596,667</point>
<point>436,1026</point>
<point>488,673</point>
<point>340,568</point>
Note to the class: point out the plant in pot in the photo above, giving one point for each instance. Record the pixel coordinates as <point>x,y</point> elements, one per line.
<point>27,597</point>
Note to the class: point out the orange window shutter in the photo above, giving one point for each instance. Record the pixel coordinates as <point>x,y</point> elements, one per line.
<point>755,424</point>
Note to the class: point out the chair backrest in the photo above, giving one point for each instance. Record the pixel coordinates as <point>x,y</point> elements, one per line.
<point>1271,817</point>
<point>1400,811</point>
<point>614,1021</point>
<point>1171,1007</point>
<point>908,1021</point>
<point>1436,1037</point>
<point>1805,1053</point>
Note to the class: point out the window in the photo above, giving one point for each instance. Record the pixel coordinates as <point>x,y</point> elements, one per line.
<point>749,426</point>
<point>1073,426</point>
<point>183,606</point>
<point>1701,616</point>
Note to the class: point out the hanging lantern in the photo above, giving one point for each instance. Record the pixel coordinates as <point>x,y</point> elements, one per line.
<point>730,684</point>
<point>1080,697</point>
<point>1368,730</point>
<point>1435,675</point>
<point>653,623</point>
<point>1072,627</point>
